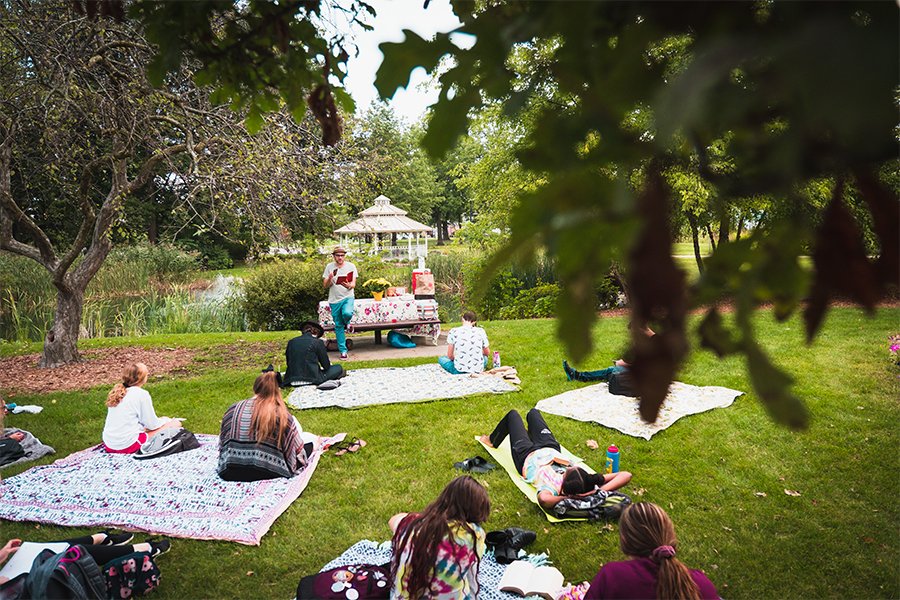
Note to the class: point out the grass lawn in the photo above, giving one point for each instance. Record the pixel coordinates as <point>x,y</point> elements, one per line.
<point>722,475</point>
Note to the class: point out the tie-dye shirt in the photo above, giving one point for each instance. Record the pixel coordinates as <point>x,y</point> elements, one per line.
<point>540,471</point>
<point>455,567</point>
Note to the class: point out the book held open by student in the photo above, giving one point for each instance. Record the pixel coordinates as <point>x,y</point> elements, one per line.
<point>523,578</point>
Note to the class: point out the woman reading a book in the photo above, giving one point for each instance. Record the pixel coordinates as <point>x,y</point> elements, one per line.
<point>436,552</point>
<point>647,537</point>
<point>539,458</point>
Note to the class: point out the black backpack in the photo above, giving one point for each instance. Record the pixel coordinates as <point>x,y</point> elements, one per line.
<point>166,443</point>
<point>622,384</point>
<point>603,505</point>
<point>10,451</point>
<point>70,574</point>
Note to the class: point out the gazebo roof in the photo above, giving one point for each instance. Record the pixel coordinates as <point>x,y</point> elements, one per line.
<point>383,217</point>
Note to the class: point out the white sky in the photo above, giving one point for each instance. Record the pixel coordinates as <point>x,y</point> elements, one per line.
<point>393,16</point>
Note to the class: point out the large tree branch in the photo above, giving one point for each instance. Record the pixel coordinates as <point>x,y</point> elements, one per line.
<point>11,213</point>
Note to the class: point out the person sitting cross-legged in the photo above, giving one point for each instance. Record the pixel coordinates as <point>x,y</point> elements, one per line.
<point>467,348</point>
<point>307,358</point>
<point>538,457</point>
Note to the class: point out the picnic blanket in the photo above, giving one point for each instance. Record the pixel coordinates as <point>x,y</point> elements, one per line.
<point>368,552</point>
<point>595,403</point>
<point>503,456</point>
<point>34,448</point>
<point>389,385</point>
<point>179,495</point>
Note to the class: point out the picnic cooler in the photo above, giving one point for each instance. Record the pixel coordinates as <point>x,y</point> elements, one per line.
<point>422,284</point>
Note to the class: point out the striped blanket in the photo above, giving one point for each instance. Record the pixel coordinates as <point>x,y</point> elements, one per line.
<point>179,495</point>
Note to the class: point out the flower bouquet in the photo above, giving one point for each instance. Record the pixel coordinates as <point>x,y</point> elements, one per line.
<point>376,287</point>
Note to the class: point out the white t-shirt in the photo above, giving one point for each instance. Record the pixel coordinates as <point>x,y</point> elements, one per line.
<point>129,418</point>
<point>468,345</point>
<point>336,292</point>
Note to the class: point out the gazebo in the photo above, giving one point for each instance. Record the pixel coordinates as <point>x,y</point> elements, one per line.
<point>385,218</point>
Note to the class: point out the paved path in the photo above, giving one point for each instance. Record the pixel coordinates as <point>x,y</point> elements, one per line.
<point>365,348</point>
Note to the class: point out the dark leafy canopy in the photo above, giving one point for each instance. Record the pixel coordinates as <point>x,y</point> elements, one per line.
<point>790,91</point>
<point>257,54</point>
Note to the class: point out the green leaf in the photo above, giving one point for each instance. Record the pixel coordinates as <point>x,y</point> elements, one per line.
<point>773,388</point>
<point>401,58</point>
<point>714,336</point>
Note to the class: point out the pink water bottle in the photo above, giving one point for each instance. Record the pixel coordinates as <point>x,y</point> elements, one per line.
<point>496,359</point>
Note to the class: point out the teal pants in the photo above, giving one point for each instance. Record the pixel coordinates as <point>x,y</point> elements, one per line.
<point>342,312</point>
<point>447,363</point>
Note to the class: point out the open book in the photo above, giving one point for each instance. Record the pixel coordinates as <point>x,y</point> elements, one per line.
<point>20,561</point>
<point>348,278</point>
<point>525,579</point>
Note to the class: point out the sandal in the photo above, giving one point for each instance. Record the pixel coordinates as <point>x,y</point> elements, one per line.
<point>353,446</point>
<point>476,464</point>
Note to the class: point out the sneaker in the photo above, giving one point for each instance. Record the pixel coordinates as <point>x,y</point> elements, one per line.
<point>117,539</point>
<point>344,355</point>
<point>571,374</point>
<point>159,548</point>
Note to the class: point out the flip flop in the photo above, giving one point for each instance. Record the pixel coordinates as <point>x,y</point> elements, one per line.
<point>476,464</point>
<point>354,446</point>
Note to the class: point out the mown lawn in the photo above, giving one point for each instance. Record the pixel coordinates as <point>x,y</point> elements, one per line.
<point>722,475</point>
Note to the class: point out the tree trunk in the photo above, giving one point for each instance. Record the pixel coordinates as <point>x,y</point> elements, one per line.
<point>445,230</point>
<point>740,227</point>
<point>61,341</point>
<point>712,239</point>
<point>153,230</point>
<point>724,227</point>
<point>695,237</point>
<point>393,239</point>
<point>618,273</point>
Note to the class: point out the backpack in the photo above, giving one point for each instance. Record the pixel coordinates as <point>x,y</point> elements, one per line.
<point>70,574</point>
<point>167,442</point>
<point>399,340</point>
<point>10,451</point>
<point>604,505</point>
<point>353,582</point>
<point>131,575</point>
<point>622,384</point>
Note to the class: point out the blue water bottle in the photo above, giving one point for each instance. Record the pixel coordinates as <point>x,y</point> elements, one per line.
<point>612,460</point>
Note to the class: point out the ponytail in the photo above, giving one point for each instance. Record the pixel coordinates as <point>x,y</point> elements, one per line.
<point>134,375</point>
<point>646,530</point>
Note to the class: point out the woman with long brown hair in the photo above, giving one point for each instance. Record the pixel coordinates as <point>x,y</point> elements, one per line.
<point>647,537</point>
<point>436,552</point>
<point>259,438</point>
<point>130,417</point>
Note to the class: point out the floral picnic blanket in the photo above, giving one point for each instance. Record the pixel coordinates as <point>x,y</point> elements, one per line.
<point>595,403</point>
<point>389,385</point>
<point>368,552</point>
<point>179,495</point>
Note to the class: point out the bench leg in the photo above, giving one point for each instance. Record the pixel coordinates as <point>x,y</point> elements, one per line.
<point>377,336</point>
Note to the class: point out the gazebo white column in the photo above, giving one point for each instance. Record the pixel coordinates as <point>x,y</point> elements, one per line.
<point>409,253</point>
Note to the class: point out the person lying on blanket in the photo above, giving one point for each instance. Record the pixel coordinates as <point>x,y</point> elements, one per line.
<point>103,547</point>
<point>260,439</point>
<point>537,456</point>
<point>307,358</point>
<point>15,435</point>
<point>130,417</point>
<point>619,365</point>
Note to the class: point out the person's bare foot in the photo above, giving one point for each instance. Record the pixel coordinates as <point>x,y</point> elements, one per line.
<point>18,436</point>
<point>486,440</point>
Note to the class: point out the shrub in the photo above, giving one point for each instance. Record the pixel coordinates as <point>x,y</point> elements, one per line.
<point>537,302</point>
<point>283,294</point>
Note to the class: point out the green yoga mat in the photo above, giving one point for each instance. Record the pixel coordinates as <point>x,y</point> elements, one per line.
<point>503,456</point>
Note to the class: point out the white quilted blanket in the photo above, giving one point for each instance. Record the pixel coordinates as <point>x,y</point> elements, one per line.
<point>595,403</point>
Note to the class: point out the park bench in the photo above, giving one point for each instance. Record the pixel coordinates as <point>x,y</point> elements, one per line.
<point>379,327</point>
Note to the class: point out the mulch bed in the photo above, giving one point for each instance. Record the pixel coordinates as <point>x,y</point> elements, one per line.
<point>20,374</point>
